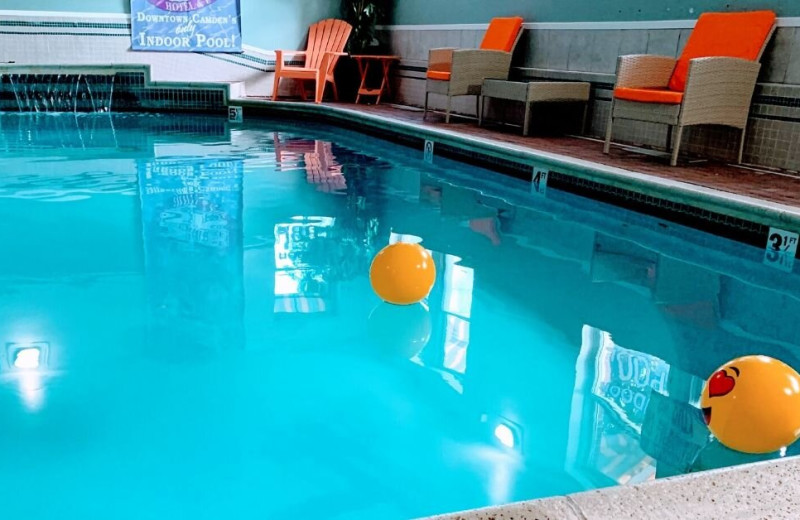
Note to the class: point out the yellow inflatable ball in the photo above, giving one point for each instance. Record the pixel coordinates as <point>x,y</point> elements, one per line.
<point>752,404</point>
<point>402,273</point>
<point>399,331</point>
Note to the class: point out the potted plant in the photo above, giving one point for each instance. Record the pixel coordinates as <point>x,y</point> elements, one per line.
<point>364,16</point>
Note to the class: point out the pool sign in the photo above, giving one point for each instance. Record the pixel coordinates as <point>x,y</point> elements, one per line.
<point>539,181</point>
<point>235,114</point>
<point>186,25</point>
<point>428,154</point>
<point>781,249</point>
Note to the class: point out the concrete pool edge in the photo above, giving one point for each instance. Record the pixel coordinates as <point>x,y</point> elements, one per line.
<point>742,207</point>
<point>760,490</point>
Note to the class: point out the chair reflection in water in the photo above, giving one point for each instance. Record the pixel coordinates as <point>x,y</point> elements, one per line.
<point>317,159</point>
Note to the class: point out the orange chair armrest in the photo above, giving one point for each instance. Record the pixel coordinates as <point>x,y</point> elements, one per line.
<point>279,55</point>
<point>644,71</point>
<point>441,59</point>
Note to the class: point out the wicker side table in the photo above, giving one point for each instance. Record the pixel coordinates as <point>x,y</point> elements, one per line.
<point>535,92</point>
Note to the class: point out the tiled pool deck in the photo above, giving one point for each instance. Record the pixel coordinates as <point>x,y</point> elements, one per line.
<point>766,490</point>
<point>761,184</point>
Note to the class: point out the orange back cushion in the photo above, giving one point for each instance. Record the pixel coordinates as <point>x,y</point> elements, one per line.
<point>735,35</point>
<point>502,34</point>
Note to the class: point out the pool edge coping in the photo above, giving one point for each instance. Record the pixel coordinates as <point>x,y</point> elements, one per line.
<point>757,490</point>
<point>744,207</point>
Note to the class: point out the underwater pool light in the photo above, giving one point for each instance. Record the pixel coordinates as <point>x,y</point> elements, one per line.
<point>27,358</point>
<point>505,435</point>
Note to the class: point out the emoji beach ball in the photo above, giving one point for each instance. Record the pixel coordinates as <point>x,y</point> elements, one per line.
<point>752,404</point>
<point>402,273</point>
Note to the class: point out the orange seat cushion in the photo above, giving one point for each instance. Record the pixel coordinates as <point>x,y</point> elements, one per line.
<point>441,75</point>
<point>502,34</point>
<point>649,95</point>
<point>735,35</point>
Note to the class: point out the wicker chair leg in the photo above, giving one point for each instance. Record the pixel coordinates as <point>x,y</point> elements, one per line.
<point>425,110</point>
<point>447,112</point>
<point>481,104</point>
<point>526,121</point>
<point>741,147</point>
<point>669,137</point>
<point>585,118</point>
<point>673,161</point>
<point>609,127</point>
<point>478,106</point>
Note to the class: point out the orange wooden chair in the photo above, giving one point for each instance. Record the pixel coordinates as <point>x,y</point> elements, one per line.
<point>326,41</point>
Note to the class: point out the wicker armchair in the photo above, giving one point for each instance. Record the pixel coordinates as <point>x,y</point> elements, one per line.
<point>712,82</point>
<point>460,72</point>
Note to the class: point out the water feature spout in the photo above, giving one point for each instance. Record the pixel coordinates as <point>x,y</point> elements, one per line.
<point>62,92</point>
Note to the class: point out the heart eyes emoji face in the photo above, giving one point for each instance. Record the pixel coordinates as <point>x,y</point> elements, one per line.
<point>752,404</point>
<point>721,383</point>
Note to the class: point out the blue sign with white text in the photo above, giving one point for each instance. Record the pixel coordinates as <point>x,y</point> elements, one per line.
<point>186,25</point>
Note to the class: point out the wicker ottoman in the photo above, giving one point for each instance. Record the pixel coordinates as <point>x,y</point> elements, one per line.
<point>535,92</point>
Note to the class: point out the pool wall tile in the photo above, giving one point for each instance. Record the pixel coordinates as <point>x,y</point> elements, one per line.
<point>604,51</point>
<point>580,49</point>
<point>663,42</point>
<point>633,42</point>
<point>776,58</point>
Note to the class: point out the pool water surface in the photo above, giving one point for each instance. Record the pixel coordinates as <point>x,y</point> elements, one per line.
<point>187,328</point>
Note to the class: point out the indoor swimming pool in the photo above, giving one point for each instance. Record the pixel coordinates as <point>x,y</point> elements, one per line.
<point>187,328</point>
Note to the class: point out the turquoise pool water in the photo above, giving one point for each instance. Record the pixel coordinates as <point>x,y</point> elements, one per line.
<point>187,328</point>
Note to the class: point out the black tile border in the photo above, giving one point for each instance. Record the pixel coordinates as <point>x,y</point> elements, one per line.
<point>733,228</point>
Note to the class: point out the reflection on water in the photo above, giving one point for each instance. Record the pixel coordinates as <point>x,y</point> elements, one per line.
<point>400,331</point>
<point>613,387</point>
<point>65,188</point>
<point>46,134</point>
<point>315,157</point>
<point>304,254</point>
<point>192,224</point>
